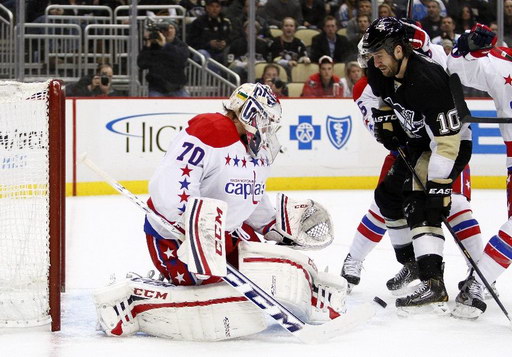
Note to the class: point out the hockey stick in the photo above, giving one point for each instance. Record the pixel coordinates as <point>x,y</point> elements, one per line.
<point>303,331</point>
<point>464,113</point>
<point>452,232</point>
<point>410,4</point>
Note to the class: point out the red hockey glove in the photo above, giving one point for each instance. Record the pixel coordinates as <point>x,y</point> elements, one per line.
<point>418,38</point>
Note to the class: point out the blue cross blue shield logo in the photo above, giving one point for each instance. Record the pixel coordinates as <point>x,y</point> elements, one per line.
<point>338,130</point>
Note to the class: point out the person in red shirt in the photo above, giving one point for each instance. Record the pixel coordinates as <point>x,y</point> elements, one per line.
<point>324,83</point>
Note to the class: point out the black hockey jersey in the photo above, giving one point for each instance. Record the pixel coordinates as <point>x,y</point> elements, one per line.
<point>424,106</point>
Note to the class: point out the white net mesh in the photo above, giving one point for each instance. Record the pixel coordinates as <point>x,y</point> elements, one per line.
<point>24,204</point>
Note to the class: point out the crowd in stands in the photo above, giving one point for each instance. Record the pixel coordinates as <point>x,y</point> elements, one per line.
<point>218,29</point>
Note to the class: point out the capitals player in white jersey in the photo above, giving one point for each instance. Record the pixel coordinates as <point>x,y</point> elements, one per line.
<point>482,66</point>
<point>373,225</point>
<point>211,187</point>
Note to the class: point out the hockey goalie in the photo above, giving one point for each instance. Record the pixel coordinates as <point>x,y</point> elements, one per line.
<point>210,186</point>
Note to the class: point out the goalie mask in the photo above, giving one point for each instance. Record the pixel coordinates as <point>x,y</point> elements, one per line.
<point>259,111</point>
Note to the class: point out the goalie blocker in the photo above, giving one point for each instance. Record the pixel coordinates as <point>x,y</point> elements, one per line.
<point>217,311</point>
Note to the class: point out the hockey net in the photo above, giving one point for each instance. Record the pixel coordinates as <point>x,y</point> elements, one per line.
<point>31,203</point>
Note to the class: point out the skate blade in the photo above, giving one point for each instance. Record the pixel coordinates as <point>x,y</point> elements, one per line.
<point>464,312</point>
<point>349,288</point>
<point>436,308</point>
<point>487,295</point>
<point>406,290</point>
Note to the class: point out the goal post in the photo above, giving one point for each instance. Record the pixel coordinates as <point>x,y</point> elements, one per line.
<point>32,203</point>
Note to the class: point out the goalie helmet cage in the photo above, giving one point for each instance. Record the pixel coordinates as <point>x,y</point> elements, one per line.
<point>32,203</point>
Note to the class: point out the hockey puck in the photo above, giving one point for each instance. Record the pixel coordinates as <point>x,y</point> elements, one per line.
<point>381,302</point>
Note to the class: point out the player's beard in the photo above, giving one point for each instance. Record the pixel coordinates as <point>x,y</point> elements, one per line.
<point>389,71</point>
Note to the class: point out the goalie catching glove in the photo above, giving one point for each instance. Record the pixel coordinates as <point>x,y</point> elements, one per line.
<point>301,224</point>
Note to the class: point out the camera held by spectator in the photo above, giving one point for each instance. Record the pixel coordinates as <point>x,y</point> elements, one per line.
<point>154,27</point>
<point>279,84</point>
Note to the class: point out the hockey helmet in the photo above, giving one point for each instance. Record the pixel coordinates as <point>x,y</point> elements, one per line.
<point>362,55</point>
<point>259,111</point>
<point>385,32</point>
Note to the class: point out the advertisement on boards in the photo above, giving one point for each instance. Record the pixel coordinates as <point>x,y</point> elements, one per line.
<point>319,137</point>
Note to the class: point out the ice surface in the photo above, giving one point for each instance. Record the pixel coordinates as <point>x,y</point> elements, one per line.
<point>104,237</point>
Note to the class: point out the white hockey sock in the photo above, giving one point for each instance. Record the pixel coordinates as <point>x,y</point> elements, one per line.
<point>399,232</point>
<point>468,232</point>
<point>369,233</point>
<point>497,254</point>
<point>489,268</point>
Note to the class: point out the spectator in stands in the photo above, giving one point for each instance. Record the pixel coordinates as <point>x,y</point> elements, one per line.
<point>165,58</point>
<point>465,20</point>
<point>313,13</point>
<point>195,8</point>
<point>447,45</point>
<point>364,7</point>
<point>507,22</point>
<point>346,12</point>
<point>484,11</point>
<point>363,22</point>
<point>270,77</point>
<point>353,73</point>
<point>288,50</point>
<point>238,51</point>
<point>98,85</point>
<point>238,19</point>
<point>329,43</point>
<point>210,33</point>
<point>277,10</point>
<point>447,31</point>
<point>420,9</point>
<point>385,10</point>
<point>324,83</point>
<point>432,22</point>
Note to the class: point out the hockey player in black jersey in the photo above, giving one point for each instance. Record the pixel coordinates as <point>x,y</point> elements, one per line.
<point>420,117</point>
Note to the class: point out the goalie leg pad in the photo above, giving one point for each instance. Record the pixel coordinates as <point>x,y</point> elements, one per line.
<point>293,279</point>
<point>204,249</point>
<point>195,313</point>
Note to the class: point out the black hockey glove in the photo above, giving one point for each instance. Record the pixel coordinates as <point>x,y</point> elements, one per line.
<point>383,127</point>
<point>481,39</point>
<point>438,201</point>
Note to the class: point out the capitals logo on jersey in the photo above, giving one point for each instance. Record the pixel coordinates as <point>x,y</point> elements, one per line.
<point>246,188</point>
<point>338,130</point>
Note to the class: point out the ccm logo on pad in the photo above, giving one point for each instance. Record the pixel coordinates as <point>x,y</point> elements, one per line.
<point>149,293</point>
<point>218,231</point>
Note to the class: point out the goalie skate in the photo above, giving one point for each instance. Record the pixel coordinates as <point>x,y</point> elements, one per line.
<point>469,303</point>
<point>430,297</point>
<point>351,271</point>
<point>399,284</point>
<point>114,308</point>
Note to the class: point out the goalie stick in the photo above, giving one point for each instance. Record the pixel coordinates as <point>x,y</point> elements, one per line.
<point>305,332</point>
<point>464,113</point>
<point>453,234</point>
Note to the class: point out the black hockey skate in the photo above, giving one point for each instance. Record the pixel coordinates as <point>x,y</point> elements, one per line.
<point>431,296</point>
<point>485,292</point>
<point>398,285</point>
<point>351,271</point>
<point>469,304</point>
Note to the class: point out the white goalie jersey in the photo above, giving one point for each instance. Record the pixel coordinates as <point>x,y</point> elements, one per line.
<point>207,159</point>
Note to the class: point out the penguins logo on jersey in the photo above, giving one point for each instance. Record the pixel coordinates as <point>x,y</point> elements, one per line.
<point>406,118</point>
